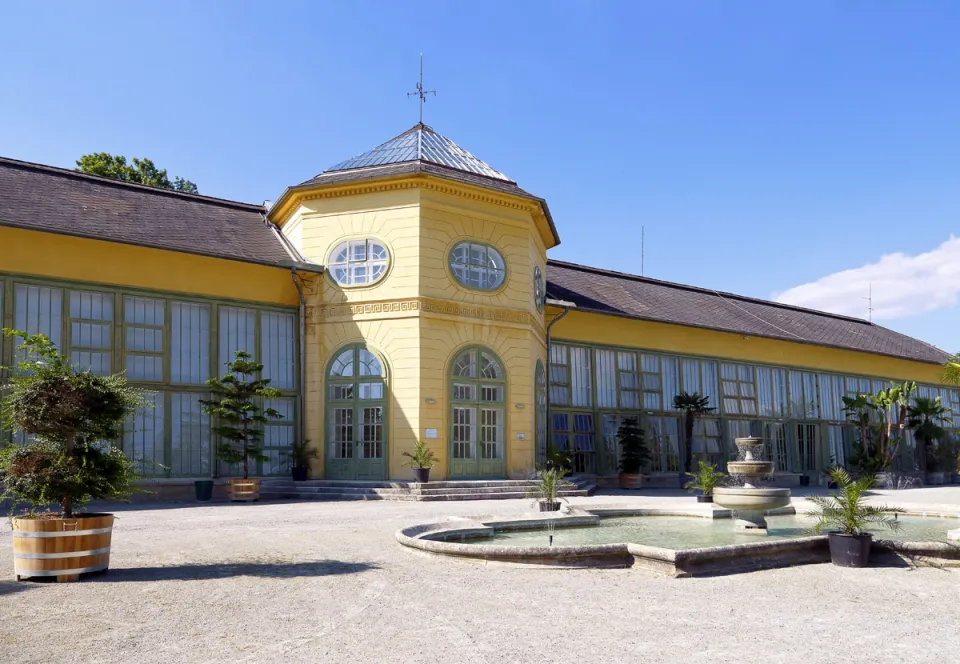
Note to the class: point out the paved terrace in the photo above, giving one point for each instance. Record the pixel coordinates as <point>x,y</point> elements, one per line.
<point>326,582</point>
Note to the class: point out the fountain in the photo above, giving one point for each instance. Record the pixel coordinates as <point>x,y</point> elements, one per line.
<point>750,503</point>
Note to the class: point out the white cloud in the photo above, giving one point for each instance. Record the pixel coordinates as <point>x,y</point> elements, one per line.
<point>903,285</point>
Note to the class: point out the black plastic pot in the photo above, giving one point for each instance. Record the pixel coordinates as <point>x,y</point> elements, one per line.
<point>804,480</point>
<point>421,475</point>
<point>549,507</point>
<point>299,474</point>
<point>704,499</point>
<point>850,550</point>
<point>204,490</point>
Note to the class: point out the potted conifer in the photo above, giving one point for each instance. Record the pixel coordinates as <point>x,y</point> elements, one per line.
<point>845,516</point>
<point>240,420</point>
<point>65,414</point>
<point>633,454</point>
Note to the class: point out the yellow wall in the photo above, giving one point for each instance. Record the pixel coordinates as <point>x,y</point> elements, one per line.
<point>96,261</point>
<point>592,328</point>
<point>419,342</point>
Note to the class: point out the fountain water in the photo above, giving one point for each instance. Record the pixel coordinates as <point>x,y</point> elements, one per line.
<point>749,502</point>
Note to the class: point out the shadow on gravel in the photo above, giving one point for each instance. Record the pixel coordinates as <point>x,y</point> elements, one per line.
<point>12,587</point>
<point>228,570</point>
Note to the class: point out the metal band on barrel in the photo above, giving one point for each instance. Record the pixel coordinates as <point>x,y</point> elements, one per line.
<point>66,554</point>
<point>63,533</point>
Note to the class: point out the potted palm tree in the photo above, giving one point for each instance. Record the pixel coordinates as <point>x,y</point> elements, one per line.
<point>240,420</point>
<point>633,454</point>
<point>845,516</point>
<point>300,455</point>
<point>546,492</point>
<point>66,414</point>
<point>421,460</point>
<point>705,480</point>
<point>926,417</point>
<point>692,406</point>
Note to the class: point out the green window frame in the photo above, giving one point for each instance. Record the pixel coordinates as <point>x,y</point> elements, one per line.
<point>477,266</point>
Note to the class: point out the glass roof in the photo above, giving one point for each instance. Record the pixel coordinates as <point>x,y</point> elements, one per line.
<point>421,143</point>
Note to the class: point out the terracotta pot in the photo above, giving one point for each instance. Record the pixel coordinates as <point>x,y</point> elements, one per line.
<point>631,480</point>
<point>64,548</point>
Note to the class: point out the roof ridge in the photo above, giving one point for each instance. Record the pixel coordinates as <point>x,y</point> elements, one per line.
<point>66,172</point>
<point>709,291</point>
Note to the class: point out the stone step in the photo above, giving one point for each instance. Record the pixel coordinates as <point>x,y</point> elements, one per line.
<point>325,493</point>
<point>443,484</point>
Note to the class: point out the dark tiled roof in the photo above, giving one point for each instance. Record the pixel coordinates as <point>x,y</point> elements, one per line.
<point>649,299</point>
<point>56,200</point>
<point>421,143</point>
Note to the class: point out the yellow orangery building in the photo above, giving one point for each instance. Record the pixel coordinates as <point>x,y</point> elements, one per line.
<point>405,294</point>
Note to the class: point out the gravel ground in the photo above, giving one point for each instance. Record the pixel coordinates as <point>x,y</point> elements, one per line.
<point>326,582</point>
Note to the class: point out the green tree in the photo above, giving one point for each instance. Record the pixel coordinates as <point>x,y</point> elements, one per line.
<point>926,417</point>
<point>66,414</point>
<point>239,417</point>
<point>693,406</point>
<point>140,171</point>
<point>633,447</point>
<point>951,370</point>
<point>881,419</point>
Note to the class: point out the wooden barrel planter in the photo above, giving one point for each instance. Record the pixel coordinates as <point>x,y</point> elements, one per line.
<point>243,490</point>
<point>64,548</point>
<point>631,480</point>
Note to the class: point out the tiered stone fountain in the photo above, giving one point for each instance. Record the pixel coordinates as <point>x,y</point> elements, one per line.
<point>749,502</point>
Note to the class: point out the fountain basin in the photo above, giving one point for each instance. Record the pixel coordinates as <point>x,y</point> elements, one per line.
<point>762,499</point>
<point>750,468</point>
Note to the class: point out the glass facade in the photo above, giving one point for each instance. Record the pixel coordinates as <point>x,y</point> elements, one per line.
<point>168,345</point>
<point>799,414</point>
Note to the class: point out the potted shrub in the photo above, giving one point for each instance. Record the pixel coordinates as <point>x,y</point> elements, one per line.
<point>845,516</point>
<point>239,420</point>
<point>705,480</point>
<point>422,459</point>
<point>65,413</point>
<point>546,492</point>
<point>300,454</point>
<point>633,454</point>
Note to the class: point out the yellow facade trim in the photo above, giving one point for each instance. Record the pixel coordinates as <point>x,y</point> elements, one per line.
<point>70,258</point>
<point>338,312</point>
<point>288,204</point>
<point>600,329</point>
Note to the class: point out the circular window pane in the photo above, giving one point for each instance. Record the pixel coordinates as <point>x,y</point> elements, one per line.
<point>358,262</point>
<point>476,265</point>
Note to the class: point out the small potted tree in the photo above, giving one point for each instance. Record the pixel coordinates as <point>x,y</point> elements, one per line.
<point>926,418</point>
<point>546,492</point>
<point>240,420</point>
<point>66,414</point>
<point>300,455</point>
<point>845,516</point>
<point>421,460</point>
<point>705,480</point>
<point>633,454</point>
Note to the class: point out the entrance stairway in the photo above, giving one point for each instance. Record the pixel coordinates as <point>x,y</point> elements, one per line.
<point>275,489</point>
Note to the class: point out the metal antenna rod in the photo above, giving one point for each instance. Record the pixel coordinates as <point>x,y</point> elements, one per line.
<point>643,230</point>
<point>421,93</point>
<point>869,300</point>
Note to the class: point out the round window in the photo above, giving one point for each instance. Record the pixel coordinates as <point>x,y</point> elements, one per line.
<point>539,292</point>
<point>477,265</point>
<point>358,262</point>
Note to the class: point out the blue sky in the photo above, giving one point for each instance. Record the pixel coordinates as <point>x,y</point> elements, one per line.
<point>770,149</point>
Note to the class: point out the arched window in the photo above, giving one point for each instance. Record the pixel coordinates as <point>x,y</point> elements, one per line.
<point>478,396</point>
<point>356,425</point>
<point>358,262</point>
<point>477,265</point>
<point>541,386</point>
<point>539,292</point>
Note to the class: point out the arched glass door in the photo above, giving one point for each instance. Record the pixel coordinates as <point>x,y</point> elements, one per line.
<point>477,440</point>
<point>356,416</point>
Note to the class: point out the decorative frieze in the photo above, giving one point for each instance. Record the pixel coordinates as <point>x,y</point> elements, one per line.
<point>329,312</point>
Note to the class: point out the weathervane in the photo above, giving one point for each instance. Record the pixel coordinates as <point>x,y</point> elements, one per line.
<point>421,93</point>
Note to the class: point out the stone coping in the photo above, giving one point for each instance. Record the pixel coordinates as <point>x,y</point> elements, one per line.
<point>447,538</point>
